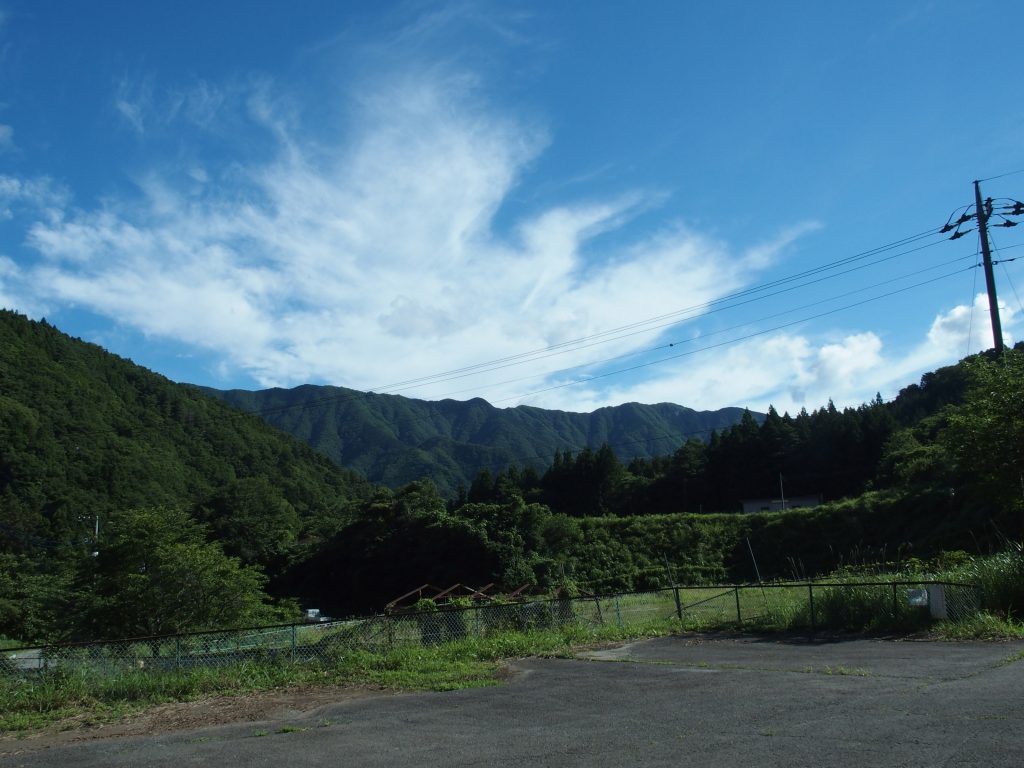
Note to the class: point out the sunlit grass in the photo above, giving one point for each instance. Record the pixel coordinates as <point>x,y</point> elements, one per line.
<point>77,697</point>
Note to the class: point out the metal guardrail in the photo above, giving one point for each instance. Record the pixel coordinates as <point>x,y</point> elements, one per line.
<point>810,605</point>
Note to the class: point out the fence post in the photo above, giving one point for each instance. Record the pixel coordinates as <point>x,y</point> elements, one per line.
<point>739,616</point>
<point>177,652</point>
<point>294,632</point>
<point>810,594</point>
<point>675,588</point>
<point>618,613</point>
<point>895,603</point>
<point>600,616</point>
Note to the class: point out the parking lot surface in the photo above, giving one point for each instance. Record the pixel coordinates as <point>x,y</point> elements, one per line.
<point>689,700</point>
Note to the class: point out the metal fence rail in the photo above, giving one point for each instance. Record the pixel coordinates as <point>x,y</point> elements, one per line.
<point>809,605</point>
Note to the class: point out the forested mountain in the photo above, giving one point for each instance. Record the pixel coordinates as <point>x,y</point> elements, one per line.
<point>174,482</point>
<point>395,440</point>
<point>84,432</point>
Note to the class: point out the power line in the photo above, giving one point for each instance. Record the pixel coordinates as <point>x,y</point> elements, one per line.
<point>1003,175</point>
<point>672,344</point>
<point>737,340</point>
<point>677,321</point>
<point>1006,272</point>
<point>696,308</point>
<point>974,288</point>
<point>565,347</point>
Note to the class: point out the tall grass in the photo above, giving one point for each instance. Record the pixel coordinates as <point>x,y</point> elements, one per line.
<point>1000,578</point>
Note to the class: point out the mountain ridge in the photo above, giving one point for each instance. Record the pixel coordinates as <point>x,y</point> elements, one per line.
<point>393,439</point>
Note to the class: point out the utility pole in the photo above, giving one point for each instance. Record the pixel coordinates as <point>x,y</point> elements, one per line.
<point>1003,208</point>
<point>983,212</point>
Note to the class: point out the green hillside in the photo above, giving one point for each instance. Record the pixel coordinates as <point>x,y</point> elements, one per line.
<point>395,440</point>
<point>84,433</point>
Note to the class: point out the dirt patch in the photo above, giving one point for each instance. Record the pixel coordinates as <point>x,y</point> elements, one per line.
<point>190,715</point>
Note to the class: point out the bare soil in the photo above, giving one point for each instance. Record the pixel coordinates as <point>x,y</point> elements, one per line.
<point>188,715</point>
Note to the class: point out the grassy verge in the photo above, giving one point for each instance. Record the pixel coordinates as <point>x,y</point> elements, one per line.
<point>33,702</point>
<point>984,626</point>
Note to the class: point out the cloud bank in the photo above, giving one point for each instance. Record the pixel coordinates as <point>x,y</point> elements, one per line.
<point>373,258</point>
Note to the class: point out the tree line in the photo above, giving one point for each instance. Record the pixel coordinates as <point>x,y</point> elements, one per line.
<point>827,453</point>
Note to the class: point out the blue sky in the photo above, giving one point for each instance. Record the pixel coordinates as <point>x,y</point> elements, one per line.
<point>372,194</point>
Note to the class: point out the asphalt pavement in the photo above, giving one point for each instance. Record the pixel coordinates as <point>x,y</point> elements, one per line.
<point>691,700</point>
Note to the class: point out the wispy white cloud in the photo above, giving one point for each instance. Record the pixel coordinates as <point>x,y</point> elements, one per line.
<point>8,275</point>
<point>765,254</point>
<point>6,138</point>
<point>133,102</point>
<point>792,371</point>
<point>144,105</point>
<point>40,196</point>
<point>370,254</point>
<point>373,256</point>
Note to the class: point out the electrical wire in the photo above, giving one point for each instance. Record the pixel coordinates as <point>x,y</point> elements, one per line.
<point>678,321</point>
<point>997,250</point>
<point>717,332</point>
<point>1001,176</point>
<point>1006,274</point>
<point>732,341</point>
<point>696,308</point>
<point>606,336</point>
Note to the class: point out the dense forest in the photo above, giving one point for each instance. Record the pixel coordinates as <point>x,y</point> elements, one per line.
<point>827,454</point>
<point>135,506</point>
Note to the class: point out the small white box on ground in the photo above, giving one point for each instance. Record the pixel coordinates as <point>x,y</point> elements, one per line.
<point>937,601</point>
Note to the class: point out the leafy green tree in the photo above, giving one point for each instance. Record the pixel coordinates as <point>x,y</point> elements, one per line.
<point>399,541</point>
<point>985,435</point>
<point>156,574</point>
<point>31,601</point>
<point>251,520</point>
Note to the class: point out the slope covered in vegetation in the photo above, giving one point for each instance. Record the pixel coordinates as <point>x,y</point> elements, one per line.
<point>86,436</point>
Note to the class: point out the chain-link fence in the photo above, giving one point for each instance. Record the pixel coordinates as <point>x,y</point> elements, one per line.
<point>848,605</point>
<point>854,606</point>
